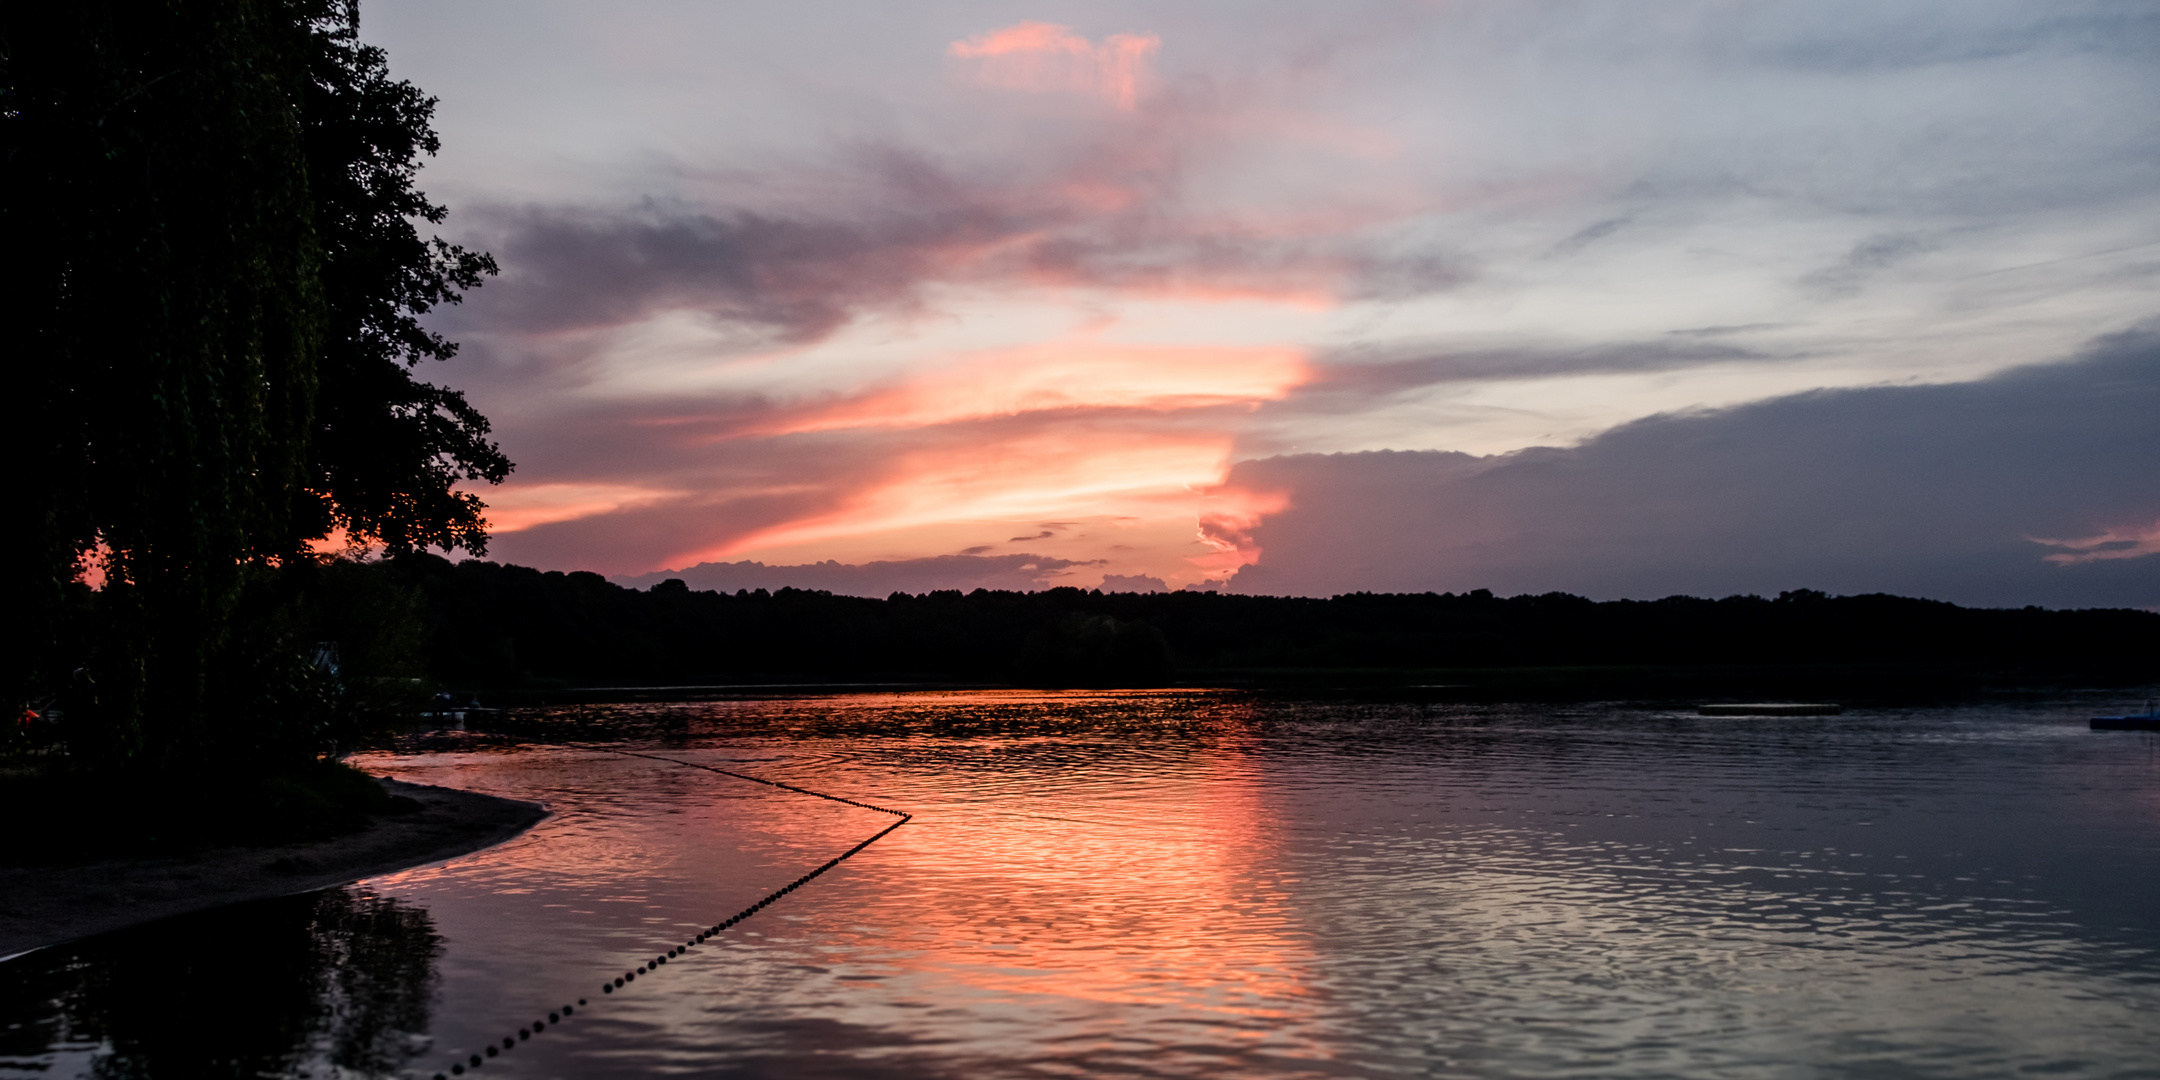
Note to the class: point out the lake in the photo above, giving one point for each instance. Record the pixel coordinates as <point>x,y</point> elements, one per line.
<point>1196,883</point>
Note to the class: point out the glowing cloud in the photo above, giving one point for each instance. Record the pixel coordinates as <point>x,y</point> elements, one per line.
<point>1074,471</point>
<point>2127,543</point>
<point>517,508</point>
<point>1068,375</point>
<point>1046,58</point>
<point>1227,520</point>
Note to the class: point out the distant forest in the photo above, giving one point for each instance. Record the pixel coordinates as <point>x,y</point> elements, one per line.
<point>498,627</point>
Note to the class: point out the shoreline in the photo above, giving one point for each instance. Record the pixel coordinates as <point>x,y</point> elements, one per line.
<point>44,906</point>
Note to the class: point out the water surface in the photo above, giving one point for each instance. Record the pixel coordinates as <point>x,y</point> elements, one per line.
<point>1200,884</point>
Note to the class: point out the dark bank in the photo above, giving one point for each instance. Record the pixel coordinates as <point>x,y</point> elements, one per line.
<point>512,635</point>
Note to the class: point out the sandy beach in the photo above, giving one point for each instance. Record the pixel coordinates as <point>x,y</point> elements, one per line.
<point>47,905</point>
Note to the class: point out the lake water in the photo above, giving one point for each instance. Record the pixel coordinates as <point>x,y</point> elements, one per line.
<point>1188,884</point>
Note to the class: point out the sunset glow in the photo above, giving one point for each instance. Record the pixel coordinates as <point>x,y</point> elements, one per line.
<point>2126,543</point>
<point>1041,57</point>
<point>1053,378</point>
<point>1081,470</point>
<point>517,507</point>
<point>779,285</point>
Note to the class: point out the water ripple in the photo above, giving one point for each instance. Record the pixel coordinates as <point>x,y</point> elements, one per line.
<point>1202,884</point>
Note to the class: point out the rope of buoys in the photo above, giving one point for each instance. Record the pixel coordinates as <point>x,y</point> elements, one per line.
<point>474,1061</point>
<point>609,986</point>
<point>752,779</point>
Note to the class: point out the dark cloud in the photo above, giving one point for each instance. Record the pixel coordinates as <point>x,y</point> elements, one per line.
<point>1939,491</point>
<point>651,534</point>
<point>1133,583</point>
<point>1589,235</point>
<point>1352,380</point>
<point>901,225</point>
<point>1402,369</point>
<point>1375,277</point>
<point>1727,331</point>
<point>799,279</point>
<point>1889,40</point>
<point>964,572</point>
<point>1867,258</point>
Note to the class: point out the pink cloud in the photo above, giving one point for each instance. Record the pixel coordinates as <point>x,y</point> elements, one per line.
<point>1046,58</point>
<point>516,507</point>
<point>1228,519</point>
<point>1033,470</point>
<point>2125,543</point>
<point>1062,376</point>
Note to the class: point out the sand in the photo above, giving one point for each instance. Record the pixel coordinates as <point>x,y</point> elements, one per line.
<point>48,905</point>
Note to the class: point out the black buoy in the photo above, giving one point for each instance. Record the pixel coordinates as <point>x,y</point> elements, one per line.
<point>508,1042</point>
<point>476,1061</point>
<point>457,1070</point>
<point>523,1034</point>
<point>491,1051</point>
<point>566,1008</point>
<point>606,989</point>
<point>556,1018</point>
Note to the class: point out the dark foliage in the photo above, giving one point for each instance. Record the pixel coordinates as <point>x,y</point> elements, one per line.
<point>209,208</point>
<point>386,447</point>
<point>508,626</point>
<point>168,309</point>
<point>1094,650</point>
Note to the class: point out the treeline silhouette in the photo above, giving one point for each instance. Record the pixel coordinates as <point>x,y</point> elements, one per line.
<point>214,312</point>
<point>501,627</point>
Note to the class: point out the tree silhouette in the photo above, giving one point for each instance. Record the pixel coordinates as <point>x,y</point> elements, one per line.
<point>216,281</point>
<point>387,448</point>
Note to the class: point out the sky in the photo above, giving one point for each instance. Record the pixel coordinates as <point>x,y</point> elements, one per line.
<point>1610,298</point>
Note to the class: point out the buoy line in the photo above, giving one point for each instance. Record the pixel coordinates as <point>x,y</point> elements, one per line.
<point>609,986</point>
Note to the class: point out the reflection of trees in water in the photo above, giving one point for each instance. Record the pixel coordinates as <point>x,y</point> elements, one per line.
<point>256,989</point>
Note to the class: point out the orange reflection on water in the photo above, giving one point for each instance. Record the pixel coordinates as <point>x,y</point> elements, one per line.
<point>1097,896</point>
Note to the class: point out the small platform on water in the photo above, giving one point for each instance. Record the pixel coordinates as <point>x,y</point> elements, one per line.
<point>1772,708</point>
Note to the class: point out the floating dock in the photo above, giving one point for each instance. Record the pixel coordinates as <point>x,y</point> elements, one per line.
<point>1772,708</point>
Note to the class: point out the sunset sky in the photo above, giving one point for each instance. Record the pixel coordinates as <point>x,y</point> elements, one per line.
<point>1623,299</point>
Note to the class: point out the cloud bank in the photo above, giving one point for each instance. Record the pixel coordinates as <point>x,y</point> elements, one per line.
<point>2037,486</point>
<point>1017,573</point>
<point>814,285</point>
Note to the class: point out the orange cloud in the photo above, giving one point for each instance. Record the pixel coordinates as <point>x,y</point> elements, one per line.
<point>1065,471</point>
<point>1046,58</point>
<point>1227,520</point>
<point>1067,375</point>
<point>516,508</point>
